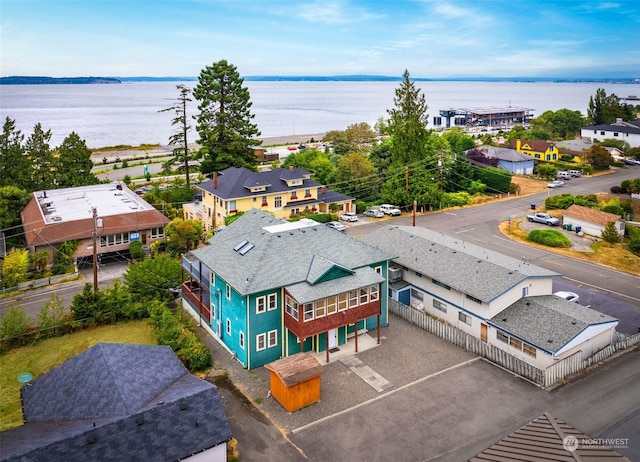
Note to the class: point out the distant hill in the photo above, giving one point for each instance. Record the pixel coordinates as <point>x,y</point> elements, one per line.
<point>30,80</point>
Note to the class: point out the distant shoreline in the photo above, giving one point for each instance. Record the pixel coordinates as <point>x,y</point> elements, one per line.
<point>44,80</point>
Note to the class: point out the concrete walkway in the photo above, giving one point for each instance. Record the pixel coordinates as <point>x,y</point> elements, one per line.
<point>367,374</point>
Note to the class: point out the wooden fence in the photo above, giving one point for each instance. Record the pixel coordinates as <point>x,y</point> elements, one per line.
<point>43,282</point>
<point>542,377</point>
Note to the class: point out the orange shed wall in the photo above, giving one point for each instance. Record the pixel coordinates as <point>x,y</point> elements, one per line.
<point>297,396</point>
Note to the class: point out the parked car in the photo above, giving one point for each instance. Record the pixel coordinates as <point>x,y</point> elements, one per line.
<point>556,184</point>
<point>631,161</point>
<point>564,175</point>
<point>373,213</point>
<point>544,218</point>
<point>570,296</point>
<point>575,173</point>
<point>349,216</point>
<point>389,209</point>
<point>336,225</point>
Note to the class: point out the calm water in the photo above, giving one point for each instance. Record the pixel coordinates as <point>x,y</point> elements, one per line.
<point>108,115</point>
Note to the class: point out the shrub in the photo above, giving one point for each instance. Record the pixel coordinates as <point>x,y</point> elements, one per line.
<point>610,233</point>
<point>549,237</point>
<point>615,209</point>
<point>616,189</point>
<point>135,248</point>
<point>634,246</point>
<point>456,199</point>
<point>632,232</point>
<point>624,186</point>
<point>13,324</point>
<point>560,201</point>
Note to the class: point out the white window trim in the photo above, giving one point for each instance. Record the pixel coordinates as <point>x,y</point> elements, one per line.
<point>271,297</point>
<point>275,342</point>
<point>228,326</point>
<point>263,338</point>
<point>241,340</point>
<point>262,299</point>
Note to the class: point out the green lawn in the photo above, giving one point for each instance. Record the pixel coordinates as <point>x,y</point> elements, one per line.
<point>46,355</point>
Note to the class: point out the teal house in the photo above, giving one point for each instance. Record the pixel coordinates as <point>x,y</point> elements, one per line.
<point>269,288</point>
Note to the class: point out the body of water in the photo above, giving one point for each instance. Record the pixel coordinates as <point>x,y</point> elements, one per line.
<point>128,113</point>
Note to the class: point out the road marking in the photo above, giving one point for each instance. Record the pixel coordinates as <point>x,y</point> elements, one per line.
<point>451,213</point>
<point>465,230</point>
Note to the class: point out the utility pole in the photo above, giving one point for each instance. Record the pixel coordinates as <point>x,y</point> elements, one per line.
<point>94,236</point>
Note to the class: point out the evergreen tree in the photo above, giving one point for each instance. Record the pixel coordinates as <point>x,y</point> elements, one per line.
<point>41,159</point>
<point>605,109</point>
<point>180,121</point>
<point>12,201</point>
<point>610,233</point>
<point>14,164</point>
<point>408,123</point>
<point>73,165</point>
<point>224,124</point>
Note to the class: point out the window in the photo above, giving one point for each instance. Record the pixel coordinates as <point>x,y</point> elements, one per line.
<point>529,350</point>
<point>308,311</point>
<point>525,291</point>
<point>232,206</point>
<point>353,298</point>
<point>364,295</point>
<point>213,310</point>
<point>515,343</point>
<point>272,302</point>
<point>418,274</point>
<point>261,305</point>
<point>157,233</point>
<point>378,269</point>
<point>477,300</point>
<point>307,193</point>
<point>228,292</point>
<point>465,318</point>
<point>417,295</point>
<point>114,239</point>
<point>242,340</point>
<point>374,292</point>
<point>228,323</point>
<point>294,195</point>
<point>292,307</point>
<point>331,304</point>
<point>615,133</point>
<point>264,201</point>
<point>277,201</point>
<point>321,306</point>
<point>261,342</point>
<point>502,337</point>
<point>273,338</point>
<point>343,301</point>
<point>438,305</point>
<point>441,284</point>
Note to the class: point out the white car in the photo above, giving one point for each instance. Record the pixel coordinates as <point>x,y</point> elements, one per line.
<point>349,216</point>
<point>556,184</point>
<point>570,296</point>
<point>374,213</point>
<point>389,209</point>
<point>336,225</point>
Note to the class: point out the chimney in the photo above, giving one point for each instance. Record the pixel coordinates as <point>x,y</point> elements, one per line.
<point>215,180</point>
<point>291,168</point>
<point>618,120</point>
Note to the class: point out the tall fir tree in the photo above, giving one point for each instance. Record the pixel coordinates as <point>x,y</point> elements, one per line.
<point>408,123</point>
<point>73,164</point>
<point>41,159</point>
<point>224,124</point>
<point>15,169</point>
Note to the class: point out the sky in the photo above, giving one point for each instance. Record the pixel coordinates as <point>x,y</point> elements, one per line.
<point>429,38</point>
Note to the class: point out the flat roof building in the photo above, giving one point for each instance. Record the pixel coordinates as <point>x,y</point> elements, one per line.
<point>118,215</point>
<point>489,117</point>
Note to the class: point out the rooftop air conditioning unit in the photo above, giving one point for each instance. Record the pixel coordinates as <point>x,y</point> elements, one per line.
<point>395,274</point>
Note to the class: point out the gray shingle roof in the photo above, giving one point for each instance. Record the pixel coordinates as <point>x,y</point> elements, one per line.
<point>506,154</point>
<point>468,268</point>
<point>233,182</point>
<point>632,127</point>
<point>280,258</point>
<point>306,293</point>
<point>116,402</point>
<point>548,322</point>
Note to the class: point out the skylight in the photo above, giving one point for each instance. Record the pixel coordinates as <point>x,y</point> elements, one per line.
<point>248,246</point>
<point>239,246</point>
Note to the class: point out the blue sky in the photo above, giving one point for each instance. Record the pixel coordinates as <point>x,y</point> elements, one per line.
<point>430,38</point>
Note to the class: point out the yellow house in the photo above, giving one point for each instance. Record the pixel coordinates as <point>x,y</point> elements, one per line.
<point>282,192</point>
<point>543,150</point>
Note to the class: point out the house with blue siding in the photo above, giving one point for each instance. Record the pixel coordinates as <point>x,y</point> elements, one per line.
<point>269,288</point>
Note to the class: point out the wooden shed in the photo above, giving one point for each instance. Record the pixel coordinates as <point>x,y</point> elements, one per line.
<point>295,381</point>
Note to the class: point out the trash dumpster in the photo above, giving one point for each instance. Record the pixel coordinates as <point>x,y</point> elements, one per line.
<point>578,228</point>
<point>569,225</point>
<point>533,206</point>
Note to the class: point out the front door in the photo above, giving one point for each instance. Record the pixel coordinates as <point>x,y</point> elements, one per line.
<point>483,332</point>
<point>332,338</point>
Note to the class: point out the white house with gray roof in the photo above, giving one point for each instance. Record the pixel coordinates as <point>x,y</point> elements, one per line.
<point>628,132</point>
<point>473,288</point>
